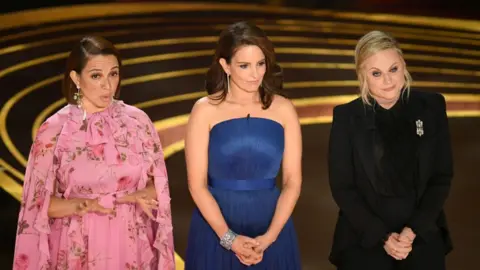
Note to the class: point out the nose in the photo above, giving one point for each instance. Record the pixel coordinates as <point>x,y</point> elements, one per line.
<point>387,79</point>
<point>106,84</point>
<point>254,72</point>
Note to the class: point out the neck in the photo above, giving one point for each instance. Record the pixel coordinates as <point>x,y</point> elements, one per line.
<point>89,107</point>
<point>386,103</point>
<point>242,97</point>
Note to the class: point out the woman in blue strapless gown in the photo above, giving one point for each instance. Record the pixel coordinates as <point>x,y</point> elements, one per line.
<point>237,139</point>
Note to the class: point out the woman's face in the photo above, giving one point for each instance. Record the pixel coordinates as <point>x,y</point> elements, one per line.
<point>385,75</point>
<point>98,81</point>
<point>247,68</point>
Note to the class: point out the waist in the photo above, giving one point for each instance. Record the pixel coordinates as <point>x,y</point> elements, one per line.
<point>107,200</point>
<point>242,184</point>
<point>115,194</point>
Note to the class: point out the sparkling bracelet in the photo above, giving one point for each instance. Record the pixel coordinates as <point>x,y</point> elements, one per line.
<point>227,240</point>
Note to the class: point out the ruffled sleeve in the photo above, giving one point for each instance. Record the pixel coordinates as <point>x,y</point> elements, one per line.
<point>155,169</point>
<point>31,247</point>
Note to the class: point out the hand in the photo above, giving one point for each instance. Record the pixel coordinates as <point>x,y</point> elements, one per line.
<point>91,205</point>
<point>141,198</point>
<point>243,247</point>
<point>396,248</point>
<point>265,241</point>
<point>407,236</point>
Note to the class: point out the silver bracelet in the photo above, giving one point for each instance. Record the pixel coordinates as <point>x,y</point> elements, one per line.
<point>227,240</point>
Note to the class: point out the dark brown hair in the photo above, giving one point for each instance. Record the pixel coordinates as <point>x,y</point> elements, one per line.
<point>77,60</point>
<point>233,38</point>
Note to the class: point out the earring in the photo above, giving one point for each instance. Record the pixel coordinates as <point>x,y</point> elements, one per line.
<point>228,82</point>
<point>78,96</point>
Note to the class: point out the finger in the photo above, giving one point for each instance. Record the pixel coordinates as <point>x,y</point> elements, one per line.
<point>251,241</point>
<point>397,254</point>
<point>243,261</point>
<point>405,238</point>
<point>123,199</point>
<point>153,202</point>
<point>259,249</point>
<point>250,253</point>
<point>393,254</point>
<point>81,212</point>
<point>147,211</point>
<point>102,210</point>
<point>401,248</point>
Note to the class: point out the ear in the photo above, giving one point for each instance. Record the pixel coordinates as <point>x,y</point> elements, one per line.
<point>225,65</point>
<point>75,78</point>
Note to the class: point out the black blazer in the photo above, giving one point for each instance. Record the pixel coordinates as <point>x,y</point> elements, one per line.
<point>352,170</point>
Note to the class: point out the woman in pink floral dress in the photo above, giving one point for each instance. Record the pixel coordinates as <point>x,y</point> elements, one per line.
<point>96,192</point>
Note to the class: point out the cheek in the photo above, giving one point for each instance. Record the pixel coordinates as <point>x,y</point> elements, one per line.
<point>115,81</point>
<point>238,75</point>
<point>89,87</point>
<point>399,77</point>
<point>262,70</point>
<point>373,84</point>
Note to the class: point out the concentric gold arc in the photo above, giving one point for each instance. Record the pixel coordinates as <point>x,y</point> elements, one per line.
<point>149,20</point>
<point>60,14</point>
<point>284,28</point>
<point>197,53</point>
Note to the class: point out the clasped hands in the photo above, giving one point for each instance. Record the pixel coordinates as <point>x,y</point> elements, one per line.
<point>398,245</point>
<point>250,250</point>
<point>140,198</point>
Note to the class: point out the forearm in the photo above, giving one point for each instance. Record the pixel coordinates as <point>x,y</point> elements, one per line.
<point>60,208</point>
<point>210,210</point>
<point>285,205</point>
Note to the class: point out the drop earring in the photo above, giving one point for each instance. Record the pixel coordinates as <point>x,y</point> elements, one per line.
<point>78,97</point>
<point>228,82</point>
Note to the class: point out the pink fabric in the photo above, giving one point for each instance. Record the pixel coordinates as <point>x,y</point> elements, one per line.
<point>110,154</point>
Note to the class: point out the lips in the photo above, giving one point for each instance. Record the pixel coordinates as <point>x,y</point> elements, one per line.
<point>389,89</point>
<point>105,98</point>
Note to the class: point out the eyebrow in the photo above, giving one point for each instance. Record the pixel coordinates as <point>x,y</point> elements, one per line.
<point>389,67</point>
<point>97,69</point>
<point>249,63</point>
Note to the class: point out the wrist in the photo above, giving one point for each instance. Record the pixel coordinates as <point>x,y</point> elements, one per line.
<point>271,236</point>
<point>227,239</point>
<point>77,204</point>
<point>386,237</point>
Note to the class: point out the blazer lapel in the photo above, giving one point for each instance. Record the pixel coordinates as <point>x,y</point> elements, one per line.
<point>364,130</point>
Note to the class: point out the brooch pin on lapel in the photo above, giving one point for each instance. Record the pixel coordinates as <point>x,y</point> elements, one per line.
<point>419,124</point>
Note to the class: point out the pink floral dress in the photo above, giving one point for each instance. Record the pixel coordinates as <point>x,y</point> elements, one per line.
<point>106,156</point>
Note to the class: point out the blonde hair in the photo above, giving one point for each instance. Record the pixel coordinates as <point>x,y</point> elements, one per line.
<point>369,44</point>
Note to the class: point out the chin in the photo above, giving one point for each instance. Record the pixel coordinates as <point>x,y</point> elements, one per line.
<point>390,96</point>
<point>102,104</point>
<point>251,89</point>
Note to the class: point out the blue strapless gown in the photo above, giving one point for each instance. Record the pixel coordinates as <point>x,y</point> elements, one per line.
<point>244,157</point>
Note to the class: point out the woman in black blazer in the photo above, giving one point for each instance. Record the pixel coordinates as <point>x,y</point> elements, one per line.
<point>390,167</point>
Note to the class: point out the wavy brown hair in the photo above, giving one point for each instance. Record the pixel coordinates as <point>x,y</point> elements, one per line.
<point>81,52</point>
<point>233,38</point>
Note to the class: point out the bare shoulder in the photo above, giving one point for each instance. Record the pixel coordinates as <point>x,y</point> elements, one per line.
<point>203,108</point>
<point>284,107</point>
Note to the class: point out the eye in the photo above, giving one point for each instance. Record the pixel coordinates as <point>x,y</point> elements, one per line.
<point>376,74</point>
<point>114,74</point>
<point>243,66</point>
<point>261,63</point>
<point>394,69</point>
<point>95,76</point>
